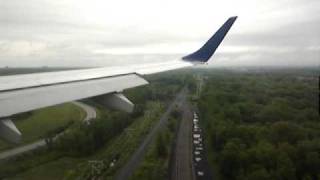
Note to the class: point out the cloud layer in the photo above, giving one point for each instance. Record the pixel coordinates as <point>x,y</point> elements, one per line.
<point>99,33</point>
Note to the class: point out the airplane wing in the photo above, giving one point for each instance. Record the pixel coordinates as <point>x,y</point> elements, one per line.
<point>22,93</point>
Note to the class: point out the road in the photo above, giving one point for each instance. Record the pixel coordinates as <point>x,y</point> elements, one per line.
<point>182,167</point>
<point>90,114</point>
<point>127,170</point>
<point>90,111</point>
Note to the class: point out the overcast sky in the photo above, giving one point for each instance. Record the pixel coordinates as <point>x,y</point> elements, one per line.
<point>111,32</point>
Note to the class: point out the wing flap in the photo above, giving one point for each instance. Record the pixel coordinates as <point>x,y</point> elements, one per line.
<point>23,100</point>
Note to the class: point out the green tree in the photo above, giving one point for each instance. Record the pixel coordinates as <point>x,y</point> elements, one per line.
<point>161,149</point>
<point>259,174</point>
<point>229,160</point>
<point>285,167</point>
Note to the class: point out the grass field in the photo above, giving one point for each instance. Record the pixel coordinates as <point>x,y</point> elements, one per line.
<point>48,171</point>
<point>35,125</point>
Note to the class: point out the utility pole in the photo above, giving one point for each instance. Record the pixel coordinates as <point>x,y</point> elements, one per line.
<point>199,84</point>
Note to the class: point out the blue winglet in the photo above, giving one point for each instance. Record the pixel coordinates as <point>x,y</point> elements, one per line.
<point>208,49</point>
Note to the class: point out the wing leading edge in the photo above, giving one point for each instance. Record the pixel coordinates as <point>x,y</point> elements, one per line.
<point>22,93</point>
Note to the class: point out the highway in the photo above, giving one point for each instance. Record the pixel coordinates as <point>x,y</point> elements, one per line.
<point>182,167</point>
<point>127,170</point>
<point>90,114</point>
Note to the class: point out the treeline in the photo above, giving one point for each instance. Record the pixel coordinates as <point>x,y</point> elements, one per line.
<point>262,125</point>
<point>84,139</point>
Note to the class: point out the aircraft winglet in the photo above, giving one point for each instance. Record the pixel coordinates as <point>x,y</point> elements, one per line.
<point>208,49</point>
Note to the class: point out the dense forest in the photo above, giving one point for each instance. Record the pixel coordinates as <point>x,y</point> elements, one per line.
<point>262,124</point>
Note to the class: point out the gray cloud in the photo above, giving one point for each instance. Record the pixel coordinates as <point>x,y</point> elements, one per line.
<point>37,33</point>
<point>297,34</point>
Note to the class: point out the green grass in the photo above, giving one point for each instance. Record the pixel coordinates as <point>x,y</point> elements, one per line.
<point>39,122</point>
<point>26,162</point>
<point>49,171</point>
